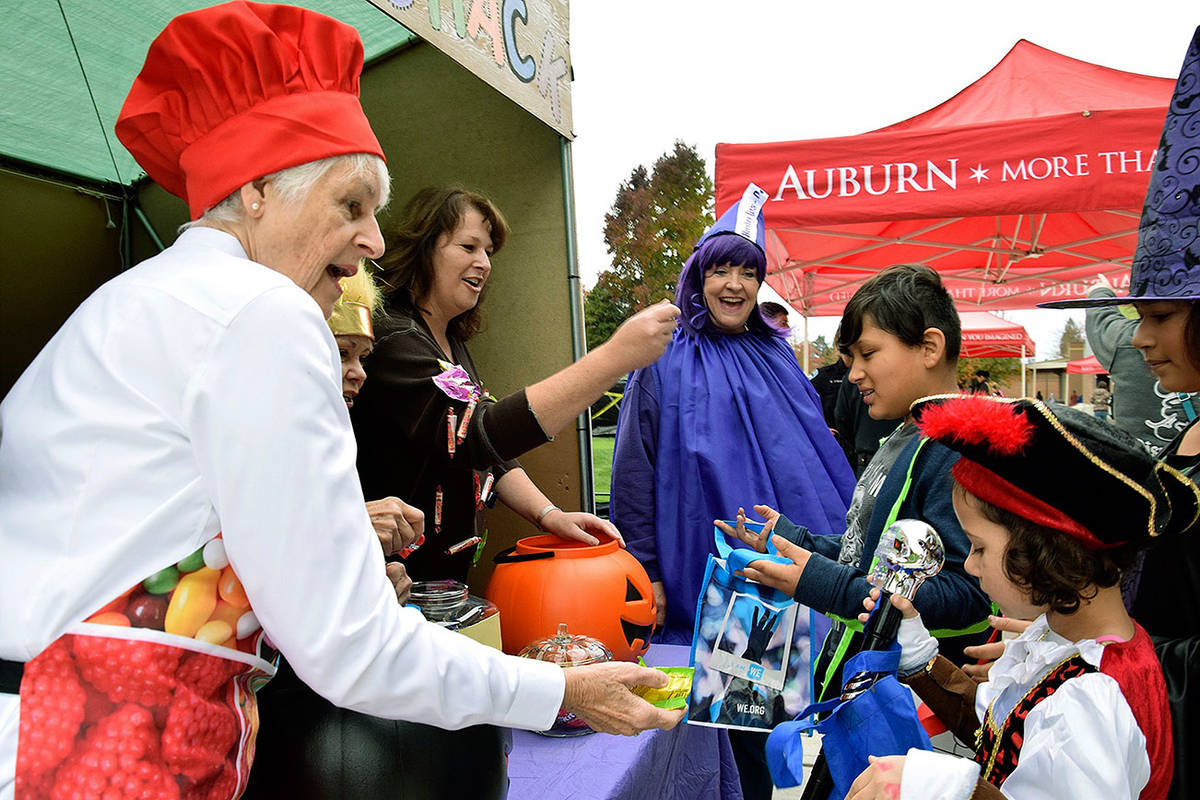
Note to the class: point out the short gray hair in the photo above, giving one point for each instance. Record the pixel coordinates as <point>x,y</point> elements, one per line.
<point>294,183</point>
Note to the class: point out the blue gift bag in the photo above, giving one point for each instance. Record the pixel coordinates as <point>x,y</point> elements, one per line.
<point>751,648</point>
<point>882,721</point>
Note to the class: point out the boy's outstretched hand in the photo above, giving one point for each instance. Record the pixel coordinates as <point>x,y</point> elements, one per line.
<point>784,577</point>
<point>757,540</point>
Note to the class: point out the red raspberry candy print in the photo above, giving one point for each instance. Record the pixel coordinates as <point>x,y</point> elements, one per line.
<point>127,671</point>
<point>225,784</point>
<point>198,736</point>
<point>118,760</point>
<point>205,674</point>
<point>52,708</point>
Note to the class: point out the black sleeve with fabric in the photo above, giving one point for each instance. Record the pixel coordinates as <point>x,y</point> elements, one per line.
<point>400,419</point>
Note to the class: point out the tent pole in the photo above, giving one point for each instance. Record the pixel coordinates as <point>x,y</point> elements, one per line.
<point>804,363</point>
<point>141,215</point>
<point>583,425</point>
<point>1024,388</point>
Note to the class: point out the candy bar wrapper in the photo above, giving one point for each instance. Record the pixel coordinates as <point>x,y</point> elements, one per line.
<point>674,694</point>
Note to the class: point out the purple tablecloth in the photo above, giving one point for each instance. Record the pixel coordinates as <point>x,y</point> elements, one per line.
<point>689,762</point>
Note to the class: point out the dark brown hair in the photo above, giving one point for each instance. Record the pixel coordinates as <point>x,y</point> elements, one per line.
<point>1191,334</point>
<point>407,265</point>
<point>904,300</point>
<point>1054,568</point>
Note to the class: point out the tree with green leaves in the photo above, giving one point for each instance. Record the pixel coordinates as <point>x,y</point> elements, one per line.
<point>1072,335</point>
<point>821,352</point>
<point>656,218</point>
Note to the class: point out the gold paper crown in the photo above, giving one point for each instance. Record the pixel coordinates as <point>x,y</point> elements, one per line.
<point>352,312</point>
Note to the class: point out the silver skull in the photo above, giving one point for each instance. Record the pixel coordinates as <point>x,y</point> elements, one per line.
<point>909,552</point>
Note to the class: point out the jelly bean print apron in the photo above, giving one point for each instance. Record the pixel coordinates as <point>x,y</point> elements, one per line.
<point>151,696</point>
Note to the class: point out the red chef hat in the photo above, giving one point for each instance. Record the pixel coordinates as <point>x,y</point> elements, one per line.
<point>240,90</point>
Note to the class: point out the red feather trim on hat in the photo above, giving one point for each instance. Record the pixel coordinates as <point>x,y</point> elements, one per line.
<point>978,420</point>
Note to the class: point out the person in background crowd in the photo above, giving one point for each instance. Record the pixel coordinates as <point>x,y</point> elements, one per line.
<point>860,432</point>
<point>981,383</point>
<point>1101,398</point>
<point>826,382</point>
<point>775,314</point>
<point>725,414</point>
<point>184,436</point>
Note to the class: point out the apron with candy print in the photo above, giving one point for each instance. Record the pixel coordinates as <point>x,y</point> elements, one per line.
<point>151,696</point>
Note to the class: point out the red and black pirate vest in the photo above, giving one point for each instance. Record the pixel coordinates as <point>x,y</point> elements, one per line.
<point>998,747</point>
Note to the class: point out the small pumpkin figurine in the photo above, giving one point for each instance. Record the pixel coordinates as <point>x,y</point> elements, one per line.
<point>598,590</point>
<point>567,650</point>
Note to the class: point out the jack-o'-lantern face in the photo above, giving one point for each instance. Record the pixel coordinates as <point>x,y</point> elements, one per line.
<point>599,591</point>
<point>639,613</point>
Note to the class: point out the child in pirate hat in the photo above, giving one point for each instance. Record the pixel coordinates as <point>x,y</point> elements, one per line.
<point>1056,505</point>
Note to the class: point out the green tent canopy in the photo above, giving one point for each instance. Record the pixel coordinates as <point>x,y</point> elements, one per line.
<point>64,75</point>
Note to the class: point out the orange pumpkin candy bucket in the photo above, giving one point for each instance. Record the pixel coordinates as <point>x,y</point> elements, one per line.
<point>597,590</point>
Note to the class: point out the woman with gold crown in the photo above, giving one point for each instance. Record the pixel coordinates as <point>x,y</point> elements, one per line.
<point>355,336</point>
<point>301,750</point>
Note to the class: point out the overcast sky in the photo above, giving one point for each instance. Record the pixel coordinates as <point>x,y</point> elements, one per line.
<point>650,72</point>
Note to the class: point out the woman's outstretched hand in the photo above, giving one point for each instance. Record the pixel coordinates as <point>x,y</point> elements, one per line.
<point>644,337</point>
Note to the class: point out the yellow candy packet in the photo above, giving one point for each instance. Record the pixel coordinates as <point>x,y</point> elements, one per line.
<point>674,694</point>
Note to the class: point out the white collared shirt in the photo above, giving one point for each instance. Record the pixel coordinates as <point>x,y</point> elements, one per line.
<point>200,392</point>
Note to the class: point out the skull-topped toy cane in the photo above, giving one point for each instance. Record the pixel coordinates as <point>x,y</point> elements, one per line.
<point>909,553</point>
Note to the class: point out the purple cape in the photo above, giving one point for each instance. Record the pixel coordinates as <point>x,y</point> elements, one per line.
<point>720,421</point>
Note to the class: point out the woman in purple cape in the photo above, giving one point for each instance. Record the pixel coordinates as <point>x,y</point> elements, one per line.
<point>725,414</point>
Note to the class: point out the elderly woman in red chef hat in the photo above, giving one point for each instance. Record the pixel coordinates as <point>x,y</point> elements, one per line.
<point>186,428</point>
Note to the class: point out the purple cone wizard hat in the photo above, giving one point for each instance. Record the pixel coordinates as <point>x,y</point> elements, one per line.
<point>739,237</point>
<point>744,218</point>
<point>1166,264</point>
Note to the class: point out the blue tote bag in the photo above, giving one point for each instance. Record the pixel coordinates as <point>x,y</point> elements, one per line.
<point>882,721</point>
<point>751,646</point>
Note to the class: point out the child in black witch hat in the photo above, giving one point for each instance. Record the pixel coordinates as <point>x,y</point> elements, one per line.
<point>1164,589</point>
<point>1056,504</point>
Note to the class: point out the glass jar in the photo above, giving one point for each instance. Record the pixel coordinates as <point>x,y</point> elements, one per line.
<point>449,604</point>
<point>439,601</point>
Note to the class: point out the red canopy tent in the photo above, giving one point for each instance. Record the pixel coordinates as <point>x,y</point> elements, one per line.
<point>1017,190</point>
<point>986,335</point>
<point>1086,366</point>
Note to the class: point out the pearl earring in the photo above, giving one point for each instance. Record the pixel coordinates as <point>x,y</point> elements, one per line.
<point>254,206</point>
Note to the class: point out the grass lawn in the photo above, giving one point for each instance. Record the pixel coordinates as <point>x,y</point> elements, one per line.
<point>602,453</point>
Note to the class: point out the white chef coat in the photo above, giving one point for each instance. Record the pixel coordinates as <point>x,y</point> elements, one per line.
<point>1080,742</point>
<point>201,392</point>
